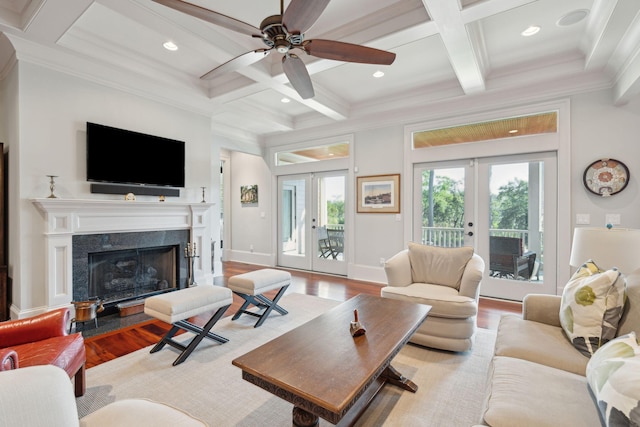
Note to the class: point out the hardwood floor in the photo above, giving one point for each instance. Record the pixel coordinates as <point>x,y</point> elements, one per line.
<point>109,346</point>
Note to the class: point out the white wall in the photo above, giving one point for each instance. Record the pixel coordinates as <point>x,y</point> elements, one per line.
<point>252,227</point>
<point>602,130</point>
<point>377,152</point>
<point>598,129</point>
<point>53,111</point>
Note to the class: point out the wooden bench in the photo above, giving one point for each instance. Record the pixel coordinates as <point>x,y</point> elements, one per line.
<point>251,287</point>
<point>178,306</point>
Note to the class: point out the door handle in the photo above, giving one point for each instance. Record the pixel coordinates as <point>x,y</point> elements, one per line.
<point>470,233</point>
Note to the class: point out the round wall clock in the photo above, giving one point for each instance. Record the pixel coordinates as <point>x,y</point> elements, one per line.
<point>606,177</point>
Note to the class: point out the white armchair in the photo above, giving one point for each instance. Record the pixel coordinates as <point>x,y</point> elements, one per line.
<point>447,279</point>
<point>42,396</point>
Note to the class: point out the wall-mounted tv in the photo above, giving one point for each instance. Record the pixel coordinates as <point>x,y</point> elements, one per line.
<point>119,156</point>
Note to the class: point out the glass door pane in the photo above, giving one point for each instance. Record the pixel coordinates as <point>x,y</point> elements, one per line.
<point>515,195</point>
<point>292,246</point>
<point>445,207</point>
<point>330,223</point>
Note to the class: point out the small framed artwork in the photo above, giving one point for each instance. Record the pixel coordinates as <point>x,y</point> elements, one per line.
<point>378,194</point>
<point>249,195</point>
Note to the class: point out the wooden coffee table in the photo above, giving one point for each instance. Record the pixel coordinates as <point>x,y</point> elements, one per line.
<point>324,371</point>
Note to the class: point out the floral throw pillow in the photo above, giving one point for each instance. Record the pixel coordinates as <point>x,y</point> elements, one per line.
<point>613,374</point>
<point>591,307</point>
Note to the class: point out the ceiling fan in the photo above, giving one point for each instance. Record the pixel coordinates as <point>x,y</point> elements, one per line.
<point>284,33</point>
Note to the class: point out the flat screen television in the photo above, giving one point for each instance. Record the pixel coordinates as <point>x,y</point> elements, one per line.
<point>119,156</point>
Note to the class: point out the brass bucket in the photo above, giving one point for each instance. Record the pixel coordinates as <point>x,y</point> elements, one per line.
<point>87,310</point>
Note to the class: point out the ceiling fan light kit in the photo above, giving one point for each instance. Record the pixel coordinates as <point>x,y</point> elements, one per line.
<point>283,33</point>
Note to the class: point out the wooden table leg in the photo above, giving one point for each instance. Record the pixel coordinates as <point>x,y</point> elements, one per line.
<point>302,418</point>
<point>396,378</point>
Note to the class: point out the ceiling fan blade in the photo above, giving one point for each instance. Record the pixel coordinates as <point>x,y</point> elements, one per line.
<point>211,16</point>
<point>298,76</point>
<point>238,62</point>
<point>302,14</point>
<point>340,51</point>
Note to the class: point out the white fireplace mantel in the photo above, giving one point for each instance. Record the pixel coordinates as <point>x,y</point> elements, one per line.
<point>67,217</point>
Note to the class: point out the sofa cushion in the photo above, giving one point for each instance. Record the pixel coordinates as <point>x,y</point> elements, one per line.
<point>438,265</point>
<point>591,307</point>
<point>526,394</point>
<point>538,342</point>
<point>613,374</point>
<point>444,301</point>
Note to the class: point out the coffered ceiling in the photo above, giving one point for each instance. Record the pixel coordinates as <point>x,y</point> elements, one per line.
<point>448,52</point>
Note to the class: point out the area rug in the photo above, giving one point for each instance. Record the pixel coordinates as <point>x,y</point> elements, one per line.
<point>208,386</point>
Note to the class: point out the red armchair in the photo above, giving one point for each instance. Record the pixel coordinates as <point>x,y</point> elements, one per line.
<point>43,340</point>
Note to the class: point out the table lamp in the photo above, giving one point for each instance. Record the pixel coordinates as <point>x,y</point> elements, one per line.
<point>608,248</point>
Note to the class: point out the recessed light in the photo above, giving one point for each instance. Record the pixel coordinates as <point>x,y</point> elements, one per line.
<point>170,46</point>
<point>531,30</point>
<point>378,74</point>
<point>285,100</point>
<point>572,17</point>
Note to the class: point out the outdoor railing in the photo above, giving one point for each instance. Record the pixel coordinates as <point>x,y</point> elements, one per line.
<point>454,237</point>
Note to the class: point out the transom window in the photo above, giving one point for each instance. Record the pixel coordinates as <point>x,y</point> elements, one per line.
<point>332,151</point>
<point>484,131</point>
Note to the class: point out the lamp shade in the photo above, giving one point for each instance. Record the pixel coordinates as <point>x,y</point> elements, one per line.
<point>608,248</point>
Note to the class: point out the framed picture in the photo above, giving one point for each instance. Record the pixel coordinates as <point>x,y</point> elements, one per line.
<point>378,194</point>
<point>249,195</point>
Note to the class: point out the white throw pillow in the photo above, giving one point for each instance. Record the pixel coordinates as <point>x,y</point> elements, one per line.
<point>591,307</point>
<point>613,374</point>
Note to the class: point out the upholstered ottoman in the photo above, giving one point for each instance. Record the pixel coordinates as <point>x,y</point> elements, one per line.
<point>251,287</point>
<point>178,306</point>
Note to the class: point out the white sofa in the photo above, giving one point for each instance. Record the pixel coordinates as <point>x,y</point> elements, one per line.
<point>447,279</point>
<point>537,377</point>
<point>42,396</point>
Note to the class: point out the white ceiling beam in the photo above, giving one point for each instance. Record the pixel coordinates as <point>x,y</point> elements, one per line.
<point>626,61</point>
<point>462,53</point>
<point>484,9</point>
<point>608,24</point>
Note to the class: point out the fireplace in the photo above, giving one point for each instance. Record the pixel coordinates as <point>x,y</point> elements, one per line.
<point>75,228</point>
<point>117,267</point>
<point>132,273</point>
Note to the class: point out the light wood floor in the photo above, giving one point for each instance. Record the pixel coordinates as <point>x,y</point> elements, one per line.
<point>109,346</point>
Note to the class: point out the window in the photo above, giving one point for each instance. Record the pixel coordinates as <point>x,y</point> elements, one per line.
<point>337,150</point>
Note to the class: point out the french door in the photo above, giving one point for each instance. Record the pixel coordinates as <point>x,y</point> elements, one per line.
<point>311,210</point>
<point>498,206</point>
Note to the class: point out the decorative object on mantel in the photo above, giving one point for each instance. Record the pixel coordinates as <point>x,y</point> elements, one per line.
<point>52,186</point>
<point>606,177</point>
<point>356,327</point>
<point>130,197</point>
<point>190,253</point>
<point>161,198</point>
<point>203,200</point>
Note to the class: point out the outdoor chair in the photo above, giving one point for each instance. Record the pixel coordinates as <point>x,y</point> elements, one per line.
<point>507,258</point>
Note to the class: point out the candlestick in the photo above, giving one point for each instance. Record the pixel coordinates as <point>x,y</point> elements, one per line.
<point>203,201</point>
<point>52,186</point>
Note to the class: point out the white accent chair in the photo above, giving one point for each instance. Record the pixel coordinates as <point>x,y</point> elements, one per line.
<point>42,396</point>
<point>447,279</point>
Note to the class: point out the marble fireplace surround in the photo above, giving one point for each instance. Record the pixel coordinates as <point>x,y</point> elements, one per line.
<point>68,217</point>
